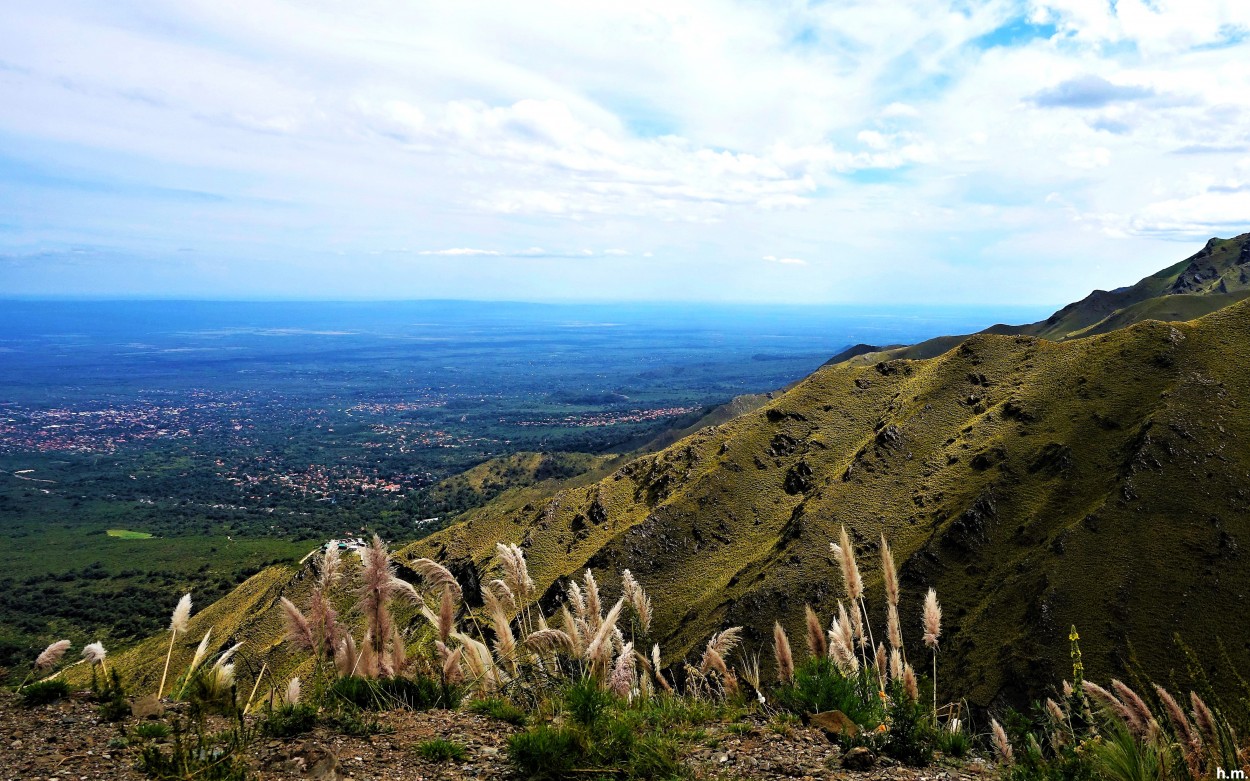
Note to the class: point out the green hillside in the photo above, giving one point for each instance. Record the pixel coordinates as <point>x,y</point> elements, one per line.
<point>1214,277</point>
<point>1036,484</point>
<point>1096,482</point>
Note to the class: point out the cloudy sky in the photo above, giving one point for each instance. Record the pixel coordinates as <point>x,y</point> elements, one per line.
<point>1015,151</point>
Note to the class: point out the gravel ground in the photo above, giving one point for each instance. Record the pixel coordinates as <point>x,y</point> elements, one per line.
<point>66,741</point>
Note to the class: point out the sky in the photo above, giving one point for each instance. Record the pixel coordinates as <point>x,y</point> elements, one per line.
<point>901,151</point>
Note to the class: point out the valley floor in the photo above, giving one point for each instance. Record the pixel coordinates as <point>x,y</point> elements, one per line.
<point>67,741</point>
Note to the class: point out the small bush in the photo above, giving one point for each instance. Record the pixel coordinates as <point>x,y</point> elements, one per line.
<point>44,692</point>
<point>362,693</point>
<point>417,693</point>
<point>112,698</point>
<point>198,755</point>
<point>954,744</point>
<point>498,708</point>
<point>440,750</point>
<point>350,721</point>
<point>586,703</point>
<point>910,736</point>
<point>545,753</point>
<point>288,721</point>
<point>819,686</point>
<point>152,730</point>
<point>606,734</point>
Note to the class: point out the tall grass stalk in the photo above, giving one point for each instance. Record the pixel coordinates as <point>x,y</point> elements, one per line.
<point>177,623</point>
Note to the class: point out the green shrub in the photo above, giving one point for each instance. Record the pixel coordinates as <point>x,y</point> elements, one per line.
<point>910,736</point>
<point>362,693</point>
<point>348,720</point>
<point>586,703</point>
<point>819,686</point>
<point>199,755</point>
<point>288,721</point>
<point>545,753</point>
<point>440,750</point>
<point>499,708</point>
<point>954,743</point>
<point>44,692</point>
<point>113,705</point>
<point>417,693</point>
<point>1121,757</point>
<point>152,730</point>
<point>606,734</point>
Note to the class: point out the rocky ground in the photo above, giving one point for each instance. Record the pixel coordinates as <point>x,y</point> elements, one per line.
<point>67,741</point>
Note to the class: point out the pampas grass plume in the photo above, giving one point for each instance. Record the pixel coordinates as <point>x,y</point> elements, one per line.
<point>446,615</point>
<point>298,630</point>
<point>932,616</point>
<point>657,669</point>
<point>93,653</point>
<point>594,605</point>
<point>51,655</point>
<point>910,687</point>
<point>850,570</point>
<point>181,616</point>
<point>889,572</point>
<point>816,644</point>
<point>894,632</point>
<point>781,649</point>
<point>1001,745</point>
<point>621,682</point>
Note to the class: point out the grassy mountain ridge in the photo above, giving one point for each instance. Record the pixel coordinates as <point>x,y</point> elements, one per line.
<point>1036,484</point>
<point>1096,482</point>
<point>1214,277</point>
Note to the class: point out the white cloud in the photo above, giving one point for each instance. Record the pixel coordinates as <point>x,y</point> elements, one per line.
<point>528,252</point>
<point>785,261</point>
<point>459,251</point>
<point>710,131</point>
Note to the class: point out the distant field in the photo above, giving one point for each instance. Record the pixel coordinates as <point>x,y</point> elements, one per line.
<point>126,534</point>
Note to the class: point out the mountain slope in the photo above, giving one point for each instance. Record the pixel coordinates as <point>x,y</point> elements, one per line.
<point>1036,484</point>
<point>1214,277</point>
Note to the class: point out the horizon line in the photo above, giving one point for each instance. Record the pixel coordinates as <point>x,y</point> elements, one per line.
<point>112,299</point>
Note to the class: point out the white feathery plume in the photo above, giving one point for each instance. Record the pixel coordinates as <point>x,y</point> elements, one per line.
<point>93,653</point>
<point>576,598</point>
<point>594,605</point>
<point>621,682</point>
<point>932,615</point>
<point>181,616</point>
<point>1001,745</point>
<point>889,572</point>
<point>51,655</point>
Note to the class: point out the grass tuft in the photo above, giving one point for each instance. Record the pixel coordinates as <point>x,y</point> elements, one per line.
<point>441,750</point>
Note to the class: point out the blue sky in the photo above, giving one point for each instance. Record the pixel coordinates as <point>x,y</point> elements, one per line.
<point>1020,152</point>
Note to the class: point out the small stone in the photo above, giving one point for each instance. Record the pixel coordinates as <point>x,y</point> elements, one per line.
<point>858,758</point>
<point>834,724</point>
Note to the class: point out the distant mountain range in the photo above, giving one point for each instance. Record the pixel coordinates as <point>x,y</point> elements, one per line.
<point>1092,469</point>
